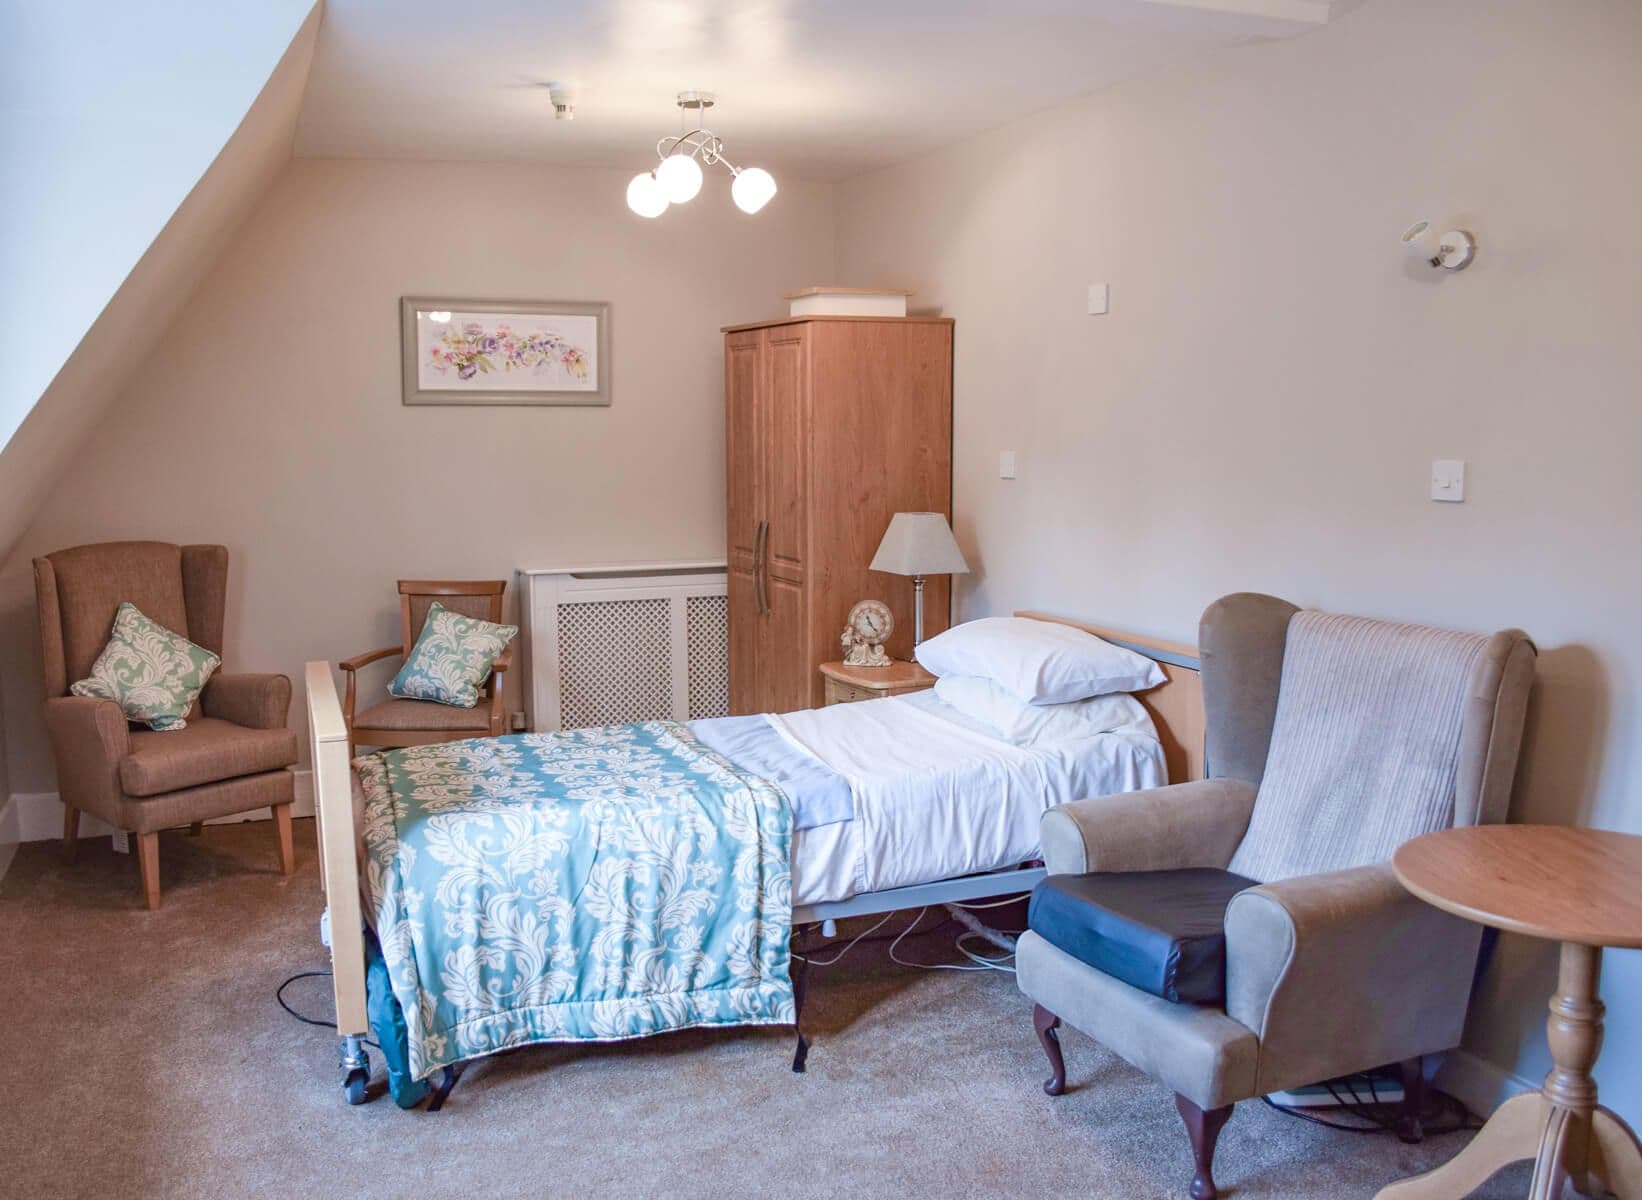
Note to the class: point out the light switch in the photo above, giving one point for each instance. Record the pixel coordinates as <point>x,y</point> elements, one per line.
<point>1448,480</point>
<point>1006,464</point>
<point>1100,299</point>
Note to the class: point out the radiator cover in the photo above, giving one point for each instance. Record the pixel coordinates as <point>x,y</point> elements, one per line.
<point>611,644</point>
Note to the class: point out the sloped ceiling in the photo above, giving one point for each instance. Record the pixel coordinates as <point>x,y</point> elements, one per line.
<point>118,200</point>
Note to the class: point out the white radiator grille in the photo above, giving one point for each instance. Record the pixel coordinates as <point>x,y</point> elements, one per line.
<point>707,619</point>
<point>615,663</point>
<point>611,645</point>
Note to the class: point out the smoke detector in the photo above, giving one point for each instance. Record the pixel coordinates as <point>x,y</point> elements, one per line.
<point>564,107</point>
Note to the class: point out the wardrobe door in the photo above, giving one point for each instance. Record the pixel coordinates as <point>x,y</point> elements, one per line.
<point>744,468</point>
<point>785,666</point>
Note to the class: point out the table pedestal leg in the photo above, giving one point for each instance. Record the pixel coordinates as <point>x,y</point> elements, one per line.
<point>1560,1127</point>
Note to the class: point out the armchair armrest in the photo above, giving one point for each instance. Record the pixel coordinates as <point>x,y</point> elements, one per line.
<point>88,739</point>
<point>255,701</point>
<point>353,664</point>
<point>1343,971</point>
<point>1194,824</point>
<point>504,660</point>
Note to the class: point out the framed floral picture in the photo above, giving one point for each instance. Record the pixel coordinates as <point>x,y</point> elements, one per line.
<point>505,352</point>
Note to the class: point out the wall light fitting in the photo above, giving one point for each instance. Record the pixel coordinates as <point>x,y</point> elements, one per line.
<point>678,176</point>
<point>1454,250</point>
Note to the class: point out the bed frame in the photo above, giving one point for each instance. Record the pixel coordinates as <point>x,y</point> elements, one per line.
<point>1176,707</point>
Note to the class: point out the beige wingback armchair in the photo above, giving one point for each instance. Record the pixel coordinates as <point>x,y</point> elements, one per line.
<point>1331,967</point>
<point>400,722</point>
<point>232,755</point>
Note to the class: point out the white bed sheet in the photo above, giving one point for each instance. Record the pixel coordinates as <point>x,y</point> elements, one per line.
<point>936,796</point>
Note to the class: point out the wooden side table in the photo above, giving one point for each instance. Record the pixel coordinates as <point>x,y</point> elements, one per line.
<point>846,684</point>
<point>1577,887</point>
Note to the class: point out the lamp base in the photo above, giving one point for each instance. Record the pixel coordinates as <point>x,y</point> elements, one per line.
<point>917,611</point>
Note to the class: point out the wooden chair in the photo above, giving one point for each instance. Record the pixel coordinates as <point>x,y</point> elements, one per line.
<point>397,722</point>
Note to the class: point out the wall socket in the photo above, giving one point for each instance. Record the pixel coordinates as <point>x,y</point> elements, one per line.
<point>516,721</point>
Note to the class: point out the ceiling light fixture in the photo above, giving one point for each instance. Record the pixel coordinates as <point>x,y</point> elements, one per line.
<point>677,178</point>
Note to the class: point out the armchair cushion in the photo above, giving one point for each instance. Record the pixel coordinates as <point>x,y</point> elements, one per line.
<point>154,675</point>
<point>207,751</point>
<point>453,655</point>
<point>1160,931</point>
<point>1184,825</point>
<point>254,701</point>
<point>421,714</point>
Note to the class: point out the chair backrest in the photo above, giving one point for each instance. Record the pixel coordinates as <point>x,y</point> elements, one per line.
<point>78,591</point>
<point>481,598</point>
<point>1358,733</point>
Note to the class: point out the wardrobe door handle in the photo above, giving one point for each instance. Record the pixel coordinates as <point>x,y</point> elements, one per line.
<point>761,583</point>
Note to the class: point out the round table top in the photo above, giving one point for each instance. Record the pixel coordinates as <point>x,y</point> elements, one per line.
<point>1547,881</point>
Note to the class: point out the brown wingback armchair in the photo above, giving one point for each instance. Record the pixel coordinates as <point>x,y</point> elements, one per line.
<point>232,755</point>
<point>399,722</point>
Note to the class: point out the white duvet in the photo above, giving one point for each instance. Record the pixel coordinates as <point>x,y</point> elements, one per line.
<point>937,796</point>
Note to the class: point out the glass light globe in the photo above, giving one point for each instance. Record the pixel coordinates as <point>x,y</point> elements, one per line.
<point>645,197</point>
<point>752,189</point>
<point>680,177</point>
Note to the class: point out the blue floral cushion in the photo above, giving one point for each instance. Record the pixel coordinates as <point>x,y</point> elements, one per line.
<point>154,675</point>
<point>451,659</point>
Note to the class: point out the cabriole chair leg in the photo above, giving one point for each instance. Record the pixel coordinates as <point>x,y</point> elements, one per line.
<point>1046,1023</point>
<point>1409,1128</point>
<point>1203,1126</point>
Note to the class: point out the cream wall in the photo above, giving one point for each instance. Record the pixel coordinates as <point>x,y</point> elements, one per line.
<point>269,416</point>
<point>1261,406</point>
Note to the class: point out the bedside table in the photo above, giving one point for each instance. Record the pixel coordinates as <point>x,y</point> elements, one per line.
<point>847,684</point>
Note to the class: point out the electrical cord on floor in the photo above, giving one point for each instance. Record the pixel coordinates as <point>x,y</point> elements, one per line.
<point>279,997</point>
<point>1373,1112</point>
<point>980,962</point>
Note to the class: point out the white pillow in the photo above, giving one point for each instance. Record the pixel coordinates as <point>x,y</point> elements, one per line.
<point>1024,724</point>
<point>1039,662</point>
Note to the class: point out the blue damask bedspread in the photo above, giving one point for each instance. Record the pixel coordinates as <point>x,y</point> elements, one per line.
<point>591,885</point>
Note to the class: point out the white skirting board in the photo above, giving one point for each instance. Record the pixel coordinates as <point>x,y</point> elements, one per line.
<point>1477,1083</point>
<point>38,817</point>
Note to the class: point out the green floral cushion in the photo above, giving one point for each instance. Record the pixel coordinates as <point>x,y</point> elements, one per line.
<point>451,658</point>
<point>154,675</point>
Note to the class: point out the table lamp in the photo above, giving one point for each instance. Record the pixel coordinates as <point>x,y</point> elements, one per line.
<point>919,544</point>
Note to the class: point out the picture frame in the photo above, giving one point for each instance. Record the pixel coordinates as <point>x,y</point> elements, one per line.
<point>511,352</point>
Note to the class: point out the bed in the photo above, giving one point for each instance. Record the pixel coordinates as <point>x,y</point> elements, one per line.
<point>936,809</point>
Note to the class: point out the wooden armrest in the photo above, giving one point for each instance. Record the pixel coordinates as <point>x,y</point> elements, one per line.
<point>359,660</point>
<point>503,661</point>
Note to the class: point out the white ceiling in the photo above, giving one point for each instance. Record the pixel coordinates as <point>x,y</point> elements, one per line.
<point>824,88</point>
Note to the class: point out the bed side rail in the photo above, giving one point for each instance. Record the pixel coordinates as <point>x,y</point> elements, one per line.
<point>338,842</point>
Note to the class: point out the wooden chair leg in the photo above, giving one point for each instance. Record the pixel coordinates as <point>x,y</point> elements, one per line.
<point>1410,1130</point>
<point>148,859</point>
<point>71,833</point>
<point>1203,1126</point>
<point>287,850</point>
<point>1045,1023</point>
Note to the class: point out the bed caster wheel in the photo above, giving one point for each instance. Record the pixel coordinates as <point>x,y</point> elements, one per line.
<point>355,1085</point>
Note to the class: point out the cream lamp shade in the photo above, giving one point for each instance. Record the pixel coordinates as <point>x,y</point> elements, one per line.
<point>919,544</point>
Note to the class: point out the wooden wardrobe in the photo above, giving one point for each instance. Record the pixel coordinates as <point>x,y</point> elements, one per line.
<point>833,425</point>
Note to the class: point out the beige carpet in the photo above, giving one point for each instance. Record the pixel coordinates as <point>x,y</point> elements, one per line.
<point>146,1057</point>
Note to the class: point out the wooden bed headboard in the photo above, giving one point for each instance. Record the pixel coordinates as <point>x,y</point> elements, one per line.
<point>1176,704</point>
